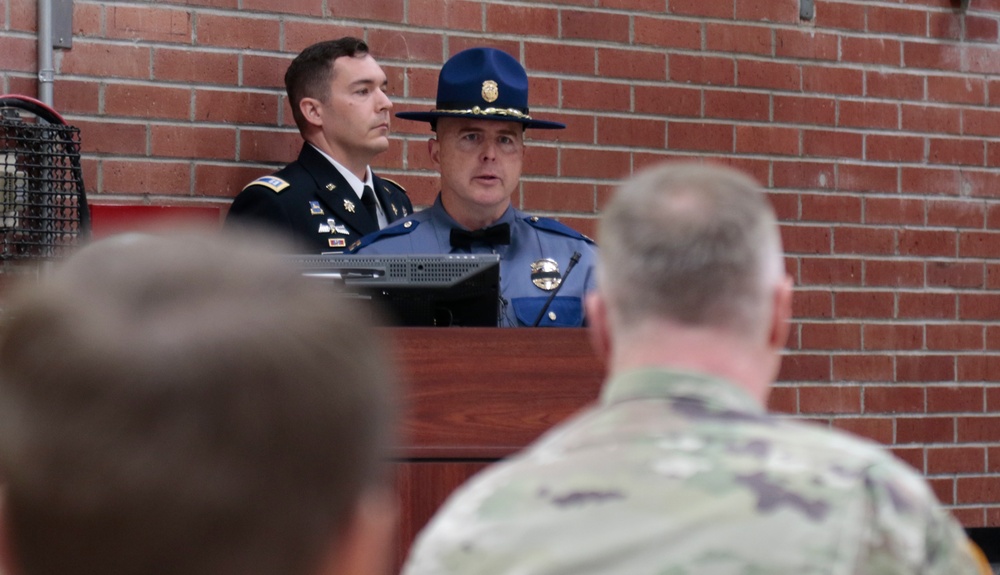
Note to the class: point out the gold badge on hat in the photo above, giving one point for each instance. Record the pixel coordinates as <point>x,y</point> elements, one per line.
<point>349,206</point>
<point>545,274</point>
<point>490,91</point>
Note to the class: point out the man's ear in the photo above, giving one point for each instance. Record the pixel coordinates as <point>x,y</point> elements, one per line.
<point>434,151</point>
<point>365,543</point>
<point>781,314</point>
<point>598,325</point>
<point>312,110</point>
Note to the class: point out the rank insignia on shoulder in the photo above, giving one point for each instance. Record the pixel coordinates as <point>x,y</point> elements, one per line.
<point>315,209</point>
<point>337,242</point>
<point>349,206</point>
<point>273,183</point>
<point>395,212</point>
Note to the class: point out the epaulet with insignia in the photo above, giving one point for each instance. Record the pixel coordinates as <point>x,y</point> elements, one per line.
<point>393,182</point>
<point>550,225</point>
<point>397,229</point>
<point>273,183</point>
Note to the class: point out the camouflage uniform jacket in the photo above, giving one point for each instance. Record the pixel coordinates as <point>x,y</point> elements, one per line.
<point>677,473</point>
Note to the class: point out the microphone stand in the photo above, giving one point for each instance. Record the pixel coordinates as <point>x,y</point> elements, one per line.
<point>572,262</point>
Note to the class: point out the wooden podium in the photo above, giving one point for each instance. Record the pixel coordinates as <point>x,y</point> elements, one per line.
<point>474,395</point>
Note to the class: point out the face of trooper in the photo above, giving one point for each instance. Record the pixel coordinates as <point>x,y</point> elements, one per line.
<point>480,162</point>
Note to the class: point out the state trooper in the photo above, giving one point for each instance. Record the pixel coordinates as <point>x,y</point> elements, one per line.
<point>329,197</point>
<point>479,121</point>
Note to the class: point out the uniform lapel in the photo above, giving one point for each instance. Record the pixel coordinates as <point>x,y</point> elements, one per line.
<point>335,193</point>
<point>386,196</point>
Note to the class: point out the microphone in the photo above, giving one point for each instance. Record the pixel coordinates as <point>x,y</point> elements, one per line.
<point>572,262</point>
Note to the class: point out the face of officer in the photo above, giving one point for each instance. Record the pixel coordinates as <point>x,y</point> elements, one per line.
<point>480,163</point>
<point>353,123</point>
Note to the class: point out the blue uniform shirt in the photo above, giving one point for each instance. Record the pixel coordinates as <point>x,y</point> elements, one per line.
<point>531,239</point>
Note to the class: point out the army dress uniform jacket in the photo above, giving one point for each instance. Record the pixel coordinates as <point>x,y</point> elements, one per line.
<point>310,200</point>
<point>523,288</point>
<point>684,473</point>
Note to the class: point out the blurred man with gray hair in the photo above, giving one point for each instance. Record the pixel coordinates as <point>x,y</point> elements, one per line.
<point>190,406</point>
<point>679,469</point>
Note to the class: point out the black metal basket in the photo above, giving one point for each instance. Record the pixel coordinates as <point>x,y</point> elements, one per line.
<point>43,207</point>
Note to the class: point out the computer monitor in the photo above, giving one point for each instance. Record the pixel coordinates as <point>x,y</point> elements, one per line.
<point>419,289</point>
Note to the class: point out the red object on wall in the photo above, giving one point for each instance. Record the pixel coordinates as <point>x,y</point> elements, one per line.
<point>110,219</point>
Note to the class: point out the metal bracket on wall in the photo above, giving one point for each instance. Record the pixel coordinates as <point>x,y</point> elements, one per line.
<point>62,23</point>
<point>807,9</point>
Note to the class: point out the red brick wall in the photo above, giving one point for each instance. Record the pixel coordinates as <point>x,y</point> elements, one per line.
<point>873,124</point>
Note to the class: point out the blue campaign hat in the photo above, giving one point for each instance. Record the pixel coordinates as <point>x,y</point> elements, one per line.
<point>482,83</point>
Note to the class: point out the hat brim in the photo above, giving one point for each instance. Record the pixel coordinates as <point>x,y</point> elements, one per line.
<point>433,116</point>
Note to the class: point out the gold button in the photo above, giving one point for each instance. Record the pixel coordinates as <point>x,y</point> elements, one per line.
<point>552,315</point>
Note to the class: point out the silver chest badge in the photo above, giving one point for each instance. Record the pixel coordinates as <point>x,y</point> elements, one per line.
<point>545,274</point>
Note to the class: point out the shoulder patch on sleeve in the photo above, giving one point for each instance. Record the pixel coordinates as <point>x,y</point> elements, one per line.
<point>273,183</point>
<point>397,229</point>
<point>550,225</point>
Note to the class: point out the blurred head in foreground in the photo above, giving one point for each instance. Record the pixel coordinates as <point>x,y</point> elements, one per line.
<point>187,405</point>
<point>693,252</point>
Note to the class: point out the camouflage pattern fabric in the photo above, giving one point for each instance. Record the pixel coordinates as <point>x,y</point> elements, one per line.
<point>682,474</point>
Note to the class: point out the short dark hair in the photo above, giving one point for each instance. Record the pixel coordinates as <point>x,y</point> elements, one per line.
<point>186,406</point>
<point>309,74</point>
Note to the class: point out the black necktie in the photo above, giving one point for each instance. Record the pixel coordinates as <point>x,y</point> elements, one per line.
<point>371,204</point>
<point>494,235</point>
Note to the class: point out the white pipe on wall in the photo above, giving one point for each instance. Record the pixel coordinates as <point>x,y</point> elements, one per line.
<point>46,71</point>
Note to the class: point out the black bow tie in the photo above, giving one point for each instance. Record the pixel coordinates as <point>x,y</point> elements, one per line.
<point>494,235</point>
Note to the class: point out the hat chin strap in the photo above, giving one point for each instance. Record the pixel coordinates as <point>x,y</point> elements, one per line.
<point>477,111</point>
